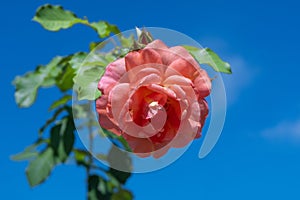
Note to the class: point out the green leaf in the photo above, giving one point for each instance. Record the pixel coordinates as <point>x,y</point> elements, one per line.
<point>98,45</point>
<point>120,175</point>
<point>81,157</point>
<point>40,168</point>
<point>104,29</point>
<point>29,152</point>
<point>25,155</point>
<point>53,118</point>
<point>207,56</point>
<point>86,82</point>
<point>120,160</point>
<point>81,111</point>
<point>28,84</point>
<point>127,42</point>
<point>54,18</point>
<point>97,188</point>
<point>122,195</point>
<point>62,138</point>
<point>65,82</point>
<point>63,100</point>
<point>116,139</point>
<point>77,60</point>
<point>26,88</point>
<point>51,71</point>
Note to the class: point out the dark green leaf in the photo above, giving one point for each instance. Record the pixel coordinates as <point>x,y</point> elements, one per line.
<point>97,188</point>
<point>62,138</point>
<point>40,168</point>
<point>98,45</point>
<point>65,82</point>
<point>52,119</point>
<point>117,140</point>
<point>207,56</point>
<point>122,195</point>
<point>54,18</point>
<point>121,176</point>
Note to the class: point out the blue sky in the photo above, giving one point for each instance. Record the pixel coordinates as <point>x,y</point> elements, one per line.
<point>257,156</point>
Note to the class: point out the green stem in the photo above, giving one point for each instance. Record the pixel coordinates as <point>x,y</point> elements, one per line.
<point>90,148</point>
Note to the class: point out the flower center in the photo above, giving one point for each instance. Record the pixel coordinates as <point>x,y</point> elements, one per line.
<point>154,107</point>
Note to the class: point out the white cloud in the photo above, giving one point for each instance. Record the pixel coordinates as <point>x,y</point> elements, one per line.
<point>241,77</point>
<point>286,130</point>
<point>243,72</point>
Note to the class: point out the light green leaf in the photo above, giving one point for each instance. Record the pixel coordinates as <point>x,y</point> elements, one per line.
<point>207,56</point>
<point>104,29</point>
<point>54,18</point>
<point>127,42</point>
<point>77,59</point>
<point>29,152</point>
<point>88,92</point>
<point>63,100</point>
<point>40,168</point>
<point>86,82</point>
<point>28,84</point>
<point>26,88</point>
<point>25,155</point>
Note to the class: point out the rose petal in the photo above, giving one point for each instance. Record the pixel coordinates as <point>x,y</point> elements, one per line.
<point>103,119</point>
<point>118,97</point>
<point>156,44</point>
<point>112,75</point>
<point>184,54</point>
<point>139,145</point>
<point>202,84</point>
<point>150,86</point>
<point>141,57</point>
<point>178,80</point>
<point>182,67</point>
<point>203,113</point>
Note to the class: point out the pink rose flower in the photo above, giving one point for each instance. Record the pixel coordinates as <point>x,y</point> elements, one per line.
<point>154,98</point>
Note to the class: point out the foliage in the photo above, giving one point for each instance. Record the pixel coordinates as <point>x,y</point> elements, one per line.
<point>84,69</point>
<point>61,72</point>
<point>207,56</point>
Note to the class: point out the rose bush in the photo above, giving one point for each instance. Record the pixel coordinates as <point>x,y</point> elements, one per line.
<point>154,98</point>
